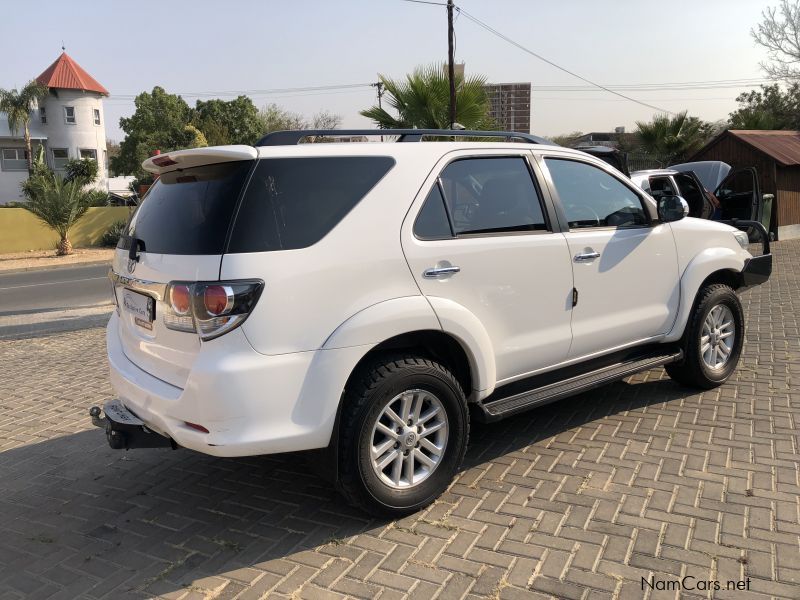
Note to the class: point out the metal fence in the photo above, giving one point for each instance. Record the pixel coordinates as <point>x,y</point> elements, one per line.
<point>638,161</point>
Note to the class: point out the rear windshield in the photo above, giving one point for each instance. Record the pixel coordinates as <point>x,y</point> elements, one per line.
<point>294,202</point>
<point>289,203</point>
<point>189,211</point>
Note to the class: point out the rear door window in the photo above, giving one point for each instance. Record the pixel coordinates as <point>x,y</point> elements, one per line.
<point>293,203</point>
<point>432,222</point>
<point>492,195</point>
<point>189,211</point>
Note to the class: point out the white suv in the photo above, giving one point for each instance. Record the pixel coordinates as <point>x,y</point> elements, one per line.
<point>367,299</point>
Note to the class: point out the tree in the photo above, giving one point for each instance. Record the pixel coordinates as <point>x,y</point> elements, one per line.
<point>59,204</point>
<point>674,138</point>
<point>565,139</point>
<point>81,169</point>
<point>112,150</point>
<point>275,118</point>
<point>769,108</point>
<point>326,120</point>
<point>779,33</point>
<point>18,107</point>
<point>159,123</point>
<point>422,100</point>
<point>228,122</point>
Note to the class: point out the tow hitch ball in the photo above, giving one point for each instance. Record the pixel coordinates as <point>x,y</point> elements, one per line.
<point>116,439</point>
<point>124,436</point>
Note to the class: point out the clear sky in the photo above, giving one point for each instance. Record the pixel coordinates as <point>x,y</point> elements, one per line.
<point>211,48</point>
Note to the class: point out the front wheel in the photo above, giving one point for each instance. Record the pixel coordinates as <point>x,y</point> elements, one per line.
<point>404,432</point>
<point>712,343</point>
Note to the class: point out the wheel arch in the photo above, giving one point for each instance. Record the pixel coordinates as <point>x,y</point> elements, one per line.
<point>714,265</point>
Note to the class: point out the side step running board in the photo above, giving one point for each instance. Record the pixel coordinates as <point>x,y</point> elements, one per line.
<point>500,407</point>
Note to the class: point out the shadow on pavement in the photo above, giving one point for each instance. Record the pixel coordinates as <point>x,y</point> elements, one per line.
<point>147,522</point>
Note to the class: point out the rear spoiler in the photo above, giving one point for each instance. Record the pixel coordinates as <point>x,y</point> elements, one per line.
<point>194,157</point>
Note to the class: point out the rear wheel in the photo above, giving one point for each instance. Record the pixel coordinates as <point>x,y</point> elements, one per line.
<point>712,343</point>
<point>404,432</point>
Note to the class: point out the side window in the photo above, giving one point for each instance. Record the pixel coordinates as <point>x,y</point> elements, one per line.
<point>661,186</point>
<point>432,222</point>
<point>486,195</point>
<point>293,203</point>
<point>593,198</point>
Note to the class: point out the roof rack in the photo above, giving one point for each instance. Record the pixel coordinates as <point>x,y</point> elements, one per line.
<point>291,138</point>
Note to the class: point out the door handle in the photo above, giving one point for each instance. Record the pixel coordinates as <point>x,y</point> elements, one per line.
<point>440,272</point>
<point>586,256</point>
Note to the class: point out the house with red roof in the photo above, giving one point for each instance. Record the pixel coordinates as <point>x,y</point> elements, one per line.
<point>68,123</point>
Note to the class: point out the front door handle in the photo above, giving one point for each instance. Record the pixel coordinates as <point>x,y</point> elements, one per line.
<point>440,272</point>
<point>585,256</point>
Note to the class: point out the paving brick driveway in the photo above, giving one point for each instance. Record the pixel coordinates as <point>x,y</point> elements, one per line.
<point>579,499</point>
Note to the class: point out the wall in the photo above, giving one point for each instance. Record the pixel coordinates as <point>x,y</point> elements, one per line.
<point>83,134</point>
<point>788,196</point>
<point>738,155</point>
<point>21,231</point>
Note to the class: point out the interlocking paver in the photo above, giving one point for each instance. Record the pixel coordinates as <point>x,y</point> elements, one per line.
<point>578,499</point>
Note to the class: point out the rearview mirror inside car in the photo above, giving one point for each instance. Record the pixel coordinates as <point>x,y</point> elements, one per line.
<point>672,208</point>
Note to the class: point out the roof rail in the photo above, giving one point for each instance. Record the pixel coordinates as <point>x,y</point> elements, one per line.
<point>291,138</point>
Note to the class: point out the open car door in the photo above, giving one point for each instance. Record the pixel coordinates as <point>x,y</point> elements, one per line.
<point>739,195</point>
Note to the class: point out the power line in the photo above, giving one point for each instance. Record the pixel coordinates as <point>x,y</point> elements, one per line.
<point>551,63</point>
<point>427,2</point>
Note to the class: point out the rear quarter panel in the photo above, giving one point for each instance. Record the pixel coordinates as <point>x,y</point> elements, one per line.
<point>309,292</point>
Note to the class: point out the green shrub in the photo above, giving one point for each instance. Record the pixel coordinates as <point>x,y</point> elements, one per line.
<point>83,169</point>
<point>113,233</point>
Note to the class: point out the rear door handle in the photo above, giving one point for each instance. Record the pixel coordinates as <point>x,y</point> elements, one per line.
<point>585,256</point>
<point>440,272</point>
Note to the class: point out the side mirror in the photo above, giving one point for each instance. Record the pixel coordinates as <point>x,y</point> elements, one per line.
<point>672,208</point>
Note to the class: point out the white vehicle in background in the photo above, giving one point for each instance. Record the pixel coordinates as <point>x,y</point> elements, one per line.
<point>367,299</point>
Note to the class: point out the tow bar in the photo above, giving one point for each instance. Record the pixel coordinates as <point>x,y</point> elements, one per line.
<point>124,430</point>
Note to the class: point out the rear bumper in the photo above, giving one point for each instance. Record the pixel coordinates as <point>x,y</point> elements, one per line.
<point>756,270</point>
<point>250,403</point>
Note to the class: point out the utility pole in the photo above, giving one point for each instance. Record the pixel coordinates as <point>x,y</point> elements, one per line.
<point>379,86</point>
<point>450,66</point>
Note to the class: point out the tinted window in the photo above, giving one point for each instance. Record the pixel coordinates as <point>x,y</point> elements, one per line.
<point>432,223</point>
<point>593,198</point>
<point>487,195</point>
<point>694,196</point>
<point>294,202</point>
<point>661,186</point>
<point>189,211</point>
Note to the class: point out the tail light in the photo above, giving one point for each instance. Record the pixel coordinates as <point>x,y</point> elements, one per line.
<point>210,309</point>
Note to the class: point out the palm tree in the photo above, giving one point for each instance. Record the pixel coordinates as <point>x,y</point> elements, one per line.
<point>422,100</point>
<point>674,138</point>
<point>18,106</point>
<point>59,204</point>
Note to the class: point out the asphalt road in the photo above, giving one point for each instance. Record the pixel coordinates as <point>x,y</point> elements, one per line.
<point>54,289</point>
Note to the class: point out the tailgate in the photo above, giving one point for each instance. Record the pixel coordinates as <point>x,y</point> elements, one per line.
<point>178,233</point>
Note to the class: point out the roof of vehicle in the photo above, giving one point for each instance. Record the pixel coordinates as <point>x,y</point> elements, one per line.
<point>429,151</point>
<point>648,172</point>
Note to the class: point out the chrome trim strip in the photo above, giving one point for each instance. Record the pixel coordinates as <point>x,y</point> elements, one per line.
<point>151,288</point>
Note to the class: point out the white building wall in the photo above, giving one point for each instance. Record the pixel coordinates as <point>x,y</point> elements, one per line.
<point>83,134</point>
<point>10,180</point>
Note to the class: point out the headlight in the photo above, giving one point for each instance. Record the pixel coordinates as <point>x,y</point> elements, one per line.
<point>742,238</point>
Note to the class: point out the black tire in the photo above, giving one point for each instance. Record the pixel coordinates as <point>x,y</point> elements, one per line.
<point>369,392</point>
<point>693,370</point>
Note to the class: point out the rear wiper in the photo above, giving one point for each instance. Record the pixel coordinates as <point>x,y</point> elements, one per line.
<point>133,251</point>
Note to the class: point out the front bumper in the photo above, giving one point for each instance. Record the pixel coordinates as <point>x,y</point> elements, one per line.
<point>756,271</point>
<point>250,403</point>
